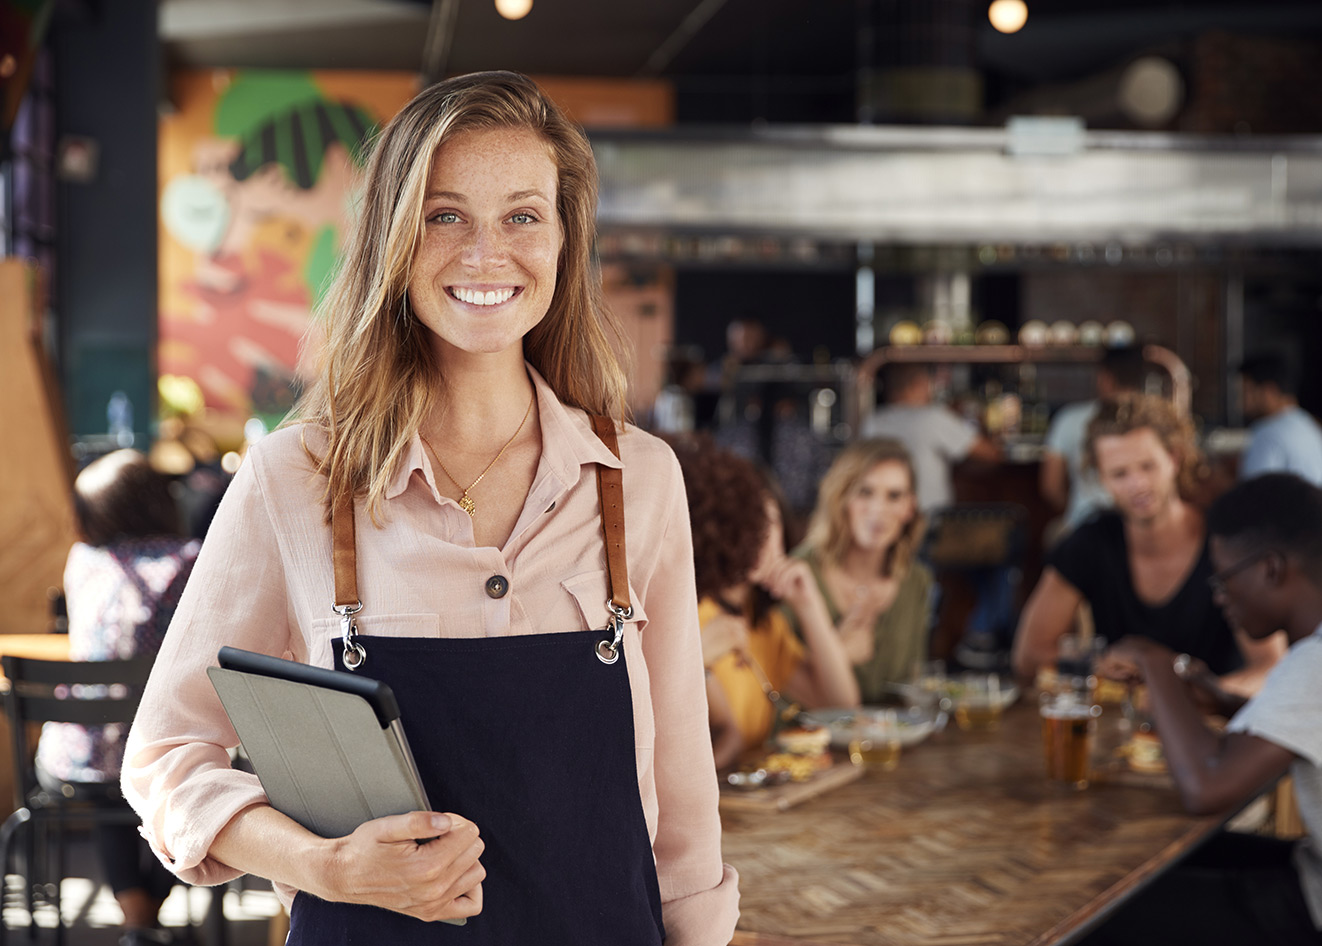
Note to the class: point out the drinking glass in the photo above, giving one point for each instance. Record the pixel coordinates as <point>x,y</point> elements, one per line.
<point>978,702</point>
<point>1069,721</point>
<point>875,740</point>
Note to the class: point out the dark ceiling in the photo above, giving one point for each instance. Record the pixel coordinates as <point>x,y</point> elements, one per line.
<point>739,60</point>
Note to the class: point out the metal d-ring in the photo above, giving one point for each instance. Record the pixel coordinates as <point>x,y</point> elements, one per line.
<point>354,655</point>
<point>608,651</point>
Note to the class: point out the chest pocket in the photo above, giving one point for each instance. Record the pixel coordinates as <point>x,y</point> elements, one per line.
<point>589,591</point>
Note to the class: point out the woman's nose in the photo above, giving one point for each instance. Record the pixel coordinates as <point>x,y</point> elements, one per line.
<point>485,243</point>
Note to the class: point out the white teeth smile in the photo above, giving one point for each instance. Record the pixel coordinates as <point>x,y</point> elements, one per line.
<point>477,297</point>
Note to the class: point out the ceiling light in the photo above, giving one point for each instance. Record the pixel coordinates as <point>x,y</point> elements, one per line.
<point>1008,16</point>
<point>513,9</point>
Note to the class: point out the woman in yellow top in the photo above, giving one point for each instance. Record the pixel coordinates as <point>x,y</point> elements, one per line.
<point>861,544</point>
<point>748,645</point>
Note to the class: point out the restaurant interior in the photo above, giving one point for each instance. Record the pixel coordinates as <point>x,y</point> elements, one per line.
<point>799,204</point>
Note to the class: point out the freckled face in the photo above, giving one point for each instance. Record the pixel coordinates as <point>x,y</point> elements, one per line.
<point>1137,471</point>
<point>485,269</point>
<point>880,505</point>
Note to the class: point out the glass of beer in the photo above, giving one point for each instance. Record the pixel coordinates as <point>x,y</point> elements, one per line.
<point>1068,722</point>
<point>978,702</point>
<point>875,739</point>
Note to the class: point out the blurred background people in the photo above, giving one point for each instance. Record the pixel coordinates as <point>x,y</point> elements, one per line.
<point>861,546</point>
<point>935,436</point>
<point>1266,546</point>
<point>1143,567</point>
<point>1283,436</point>
<point>747,589</point>
<point>1067,482</point>
<point>122,582</point>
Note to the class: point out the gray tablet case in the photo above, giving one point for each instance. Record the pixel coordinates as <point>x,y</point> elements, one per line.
<point>327,745</point>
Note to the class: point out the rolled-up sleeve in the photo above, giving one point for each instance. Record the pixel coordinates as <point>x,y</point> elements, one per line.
<point>699,895</point>
<point>177,772</point>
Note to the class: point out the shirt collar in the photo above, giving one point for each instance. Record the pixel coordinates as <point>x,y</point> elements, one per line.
<point>568,443</point>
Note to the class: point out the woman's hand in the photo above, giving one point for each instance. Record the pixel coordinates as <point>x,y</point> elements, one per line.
<point>874,599</point>
<point>723,634</point>
<point>858,625</point>
<point>859,641</point>
<point>789,580</point>
<point>382,864</point>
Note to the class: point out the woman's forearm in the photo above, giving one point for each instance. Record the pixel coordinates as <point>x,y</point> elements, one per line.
<point>832,674</point>
<point>261,841</point>
<point>423,864</point>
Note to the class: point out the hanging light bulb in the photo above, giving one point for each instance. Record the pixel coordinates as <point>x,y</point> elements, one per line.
<point>513,9</point>
<point>1008,16</point>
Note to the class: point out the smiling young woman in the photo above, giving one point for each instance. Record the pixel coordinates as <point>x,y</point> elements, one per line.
<point>468,423</point>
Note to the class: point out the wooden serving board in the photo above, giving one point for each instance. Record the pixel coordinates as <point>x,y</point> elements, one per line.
<point>789,794</point>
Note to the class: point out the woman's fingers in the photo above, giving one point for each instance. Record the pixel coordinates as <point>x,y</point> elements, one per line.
<point>418,864</point>
<point>463,896</point>
<point>414,826</point>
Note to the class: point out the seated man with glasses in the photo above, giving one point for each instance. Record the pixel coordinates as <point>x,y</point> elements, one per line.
<point>1239,888</point>
<point>1144,566</point>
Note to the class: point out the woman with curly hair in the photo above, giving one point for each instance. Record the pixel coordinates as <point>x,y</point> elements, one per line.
<point>861,544</point>
<point>750,651</point>
<point>1143,567</point>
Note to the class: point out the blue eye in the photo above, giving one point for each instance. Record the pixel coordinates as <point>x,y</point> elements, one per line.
<point>523,217</point>
<point>445,216</point>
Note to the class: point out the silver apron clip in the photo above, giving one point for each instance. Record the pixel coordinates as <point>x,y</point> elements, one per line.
<point>354,655</point>
<point>608,651</point>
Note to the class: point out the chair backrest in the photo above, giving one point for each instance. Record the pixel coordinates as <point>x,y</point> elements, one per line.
<point>975,535</point>
<point>91,693</point>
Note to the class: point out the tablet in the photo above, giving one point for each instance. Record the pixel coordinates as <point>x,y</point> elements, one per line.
<point>378,695</point>
<point>327,745</point>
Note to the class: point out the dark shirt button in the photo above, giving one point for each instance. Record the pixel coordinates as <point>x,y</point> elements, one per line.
<point>497,585</point>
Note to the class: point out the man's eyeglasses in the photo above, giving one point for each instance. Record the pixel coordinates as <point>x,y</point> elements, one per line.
<point>1218,581</point>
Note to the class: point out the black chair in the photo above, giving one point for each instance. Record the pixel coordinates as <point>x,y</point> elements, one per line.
<point>983,542</point>
<point>87,693</point>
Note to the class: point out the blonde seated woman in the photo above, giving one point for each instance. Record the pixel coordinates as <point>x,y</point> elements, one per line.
<point>749,592</point>
<point>861,548</point>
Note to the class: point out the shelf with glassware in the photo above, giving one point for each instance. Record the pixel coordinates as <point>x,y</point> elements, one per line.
<point>1009,405</point>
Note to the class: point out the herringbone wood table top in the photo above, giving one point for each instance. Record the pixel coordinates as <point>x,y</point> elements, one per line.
<point>966,844</point>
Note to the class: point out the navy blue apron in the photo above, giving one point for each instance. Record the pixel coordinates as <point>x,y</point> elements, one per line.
<point>531,738</point>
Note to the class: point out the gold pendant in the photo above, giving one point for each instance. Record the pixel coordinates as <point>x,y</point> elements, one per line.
<point>467,505</point>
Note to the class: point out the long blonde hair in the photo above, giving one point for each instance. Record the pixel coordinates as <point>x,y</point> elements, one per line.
<point>829,535</point>
<point>378,377</point>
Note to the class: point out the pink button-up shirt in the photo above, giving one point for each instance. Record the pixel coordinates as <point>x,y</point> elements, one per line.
<point>264,582</point>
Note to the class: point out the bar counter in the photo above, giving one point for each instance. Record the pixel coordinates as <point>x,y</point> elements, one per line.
<point>965,843</point>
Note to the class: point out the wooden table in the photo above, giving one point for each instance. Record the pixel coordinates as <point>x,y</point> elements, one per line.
<point>41,646</point>
<point>965,843</point>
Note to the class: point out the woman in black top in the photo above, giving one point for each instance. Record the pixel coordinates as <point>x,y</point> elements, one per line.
<point>1143,568</point>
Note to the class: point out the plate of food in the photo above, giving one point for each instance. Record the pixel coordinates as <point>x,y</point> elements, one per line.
<point>948,690</point>
<point>919,714</point>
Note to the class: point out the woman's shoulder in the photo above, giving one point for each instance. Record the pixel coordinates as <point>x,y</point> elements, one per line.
<point>286,450</point>
<point>645,448</point>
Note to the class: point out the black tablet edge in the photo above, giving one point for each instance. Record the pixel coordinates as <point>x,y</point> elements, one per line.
<point>378,694</point>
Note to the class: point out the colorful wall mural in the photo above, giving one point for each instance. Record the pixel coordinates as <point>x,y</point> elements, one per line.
<point>258,175</point>
<point>258,172</point>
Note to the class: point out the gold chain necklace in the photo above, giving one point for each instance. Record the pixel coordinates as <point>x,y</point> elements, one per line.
<point>465,501</point>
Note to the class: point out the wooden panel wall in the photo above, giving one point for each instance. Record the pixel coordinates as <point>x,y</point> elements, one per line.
<point>36,512</point>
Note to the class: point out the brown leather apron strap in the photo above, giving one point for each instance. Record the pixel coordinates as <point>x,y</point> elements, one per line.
<point>610,491</point>
<point>344,556</point>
